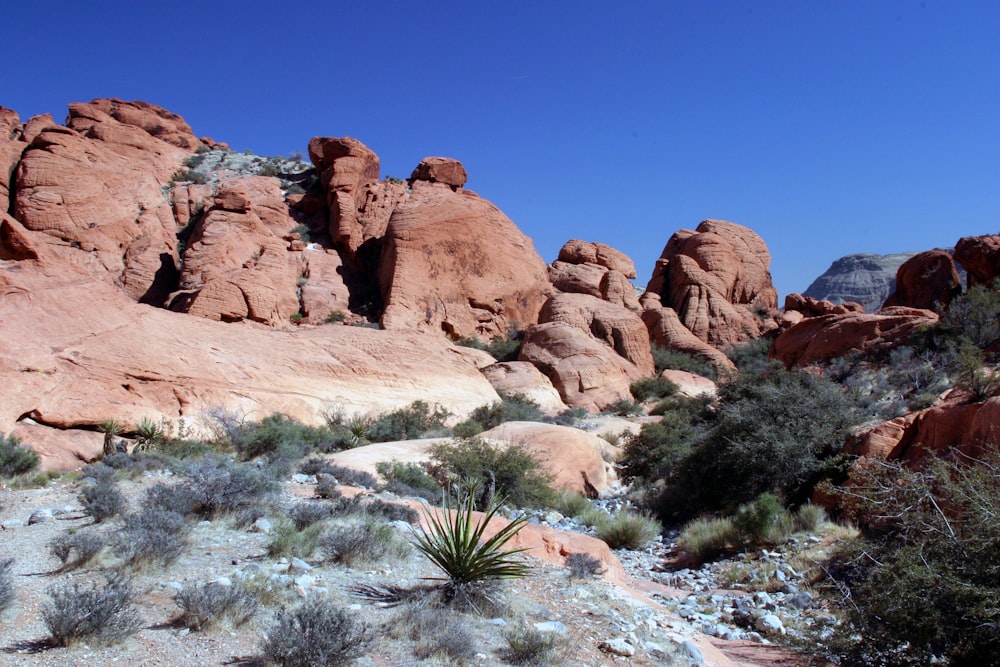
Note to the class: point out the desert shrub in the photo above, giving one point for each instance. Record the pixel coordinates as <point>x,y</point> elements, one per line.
<point>317,633</point>
<point>455,543</point>
<point>215,485</point>
<point>189,175</point>
<point>408,479</point>
<point>213,605</point>
<point>582,565</point>
<point>287,540</point>
<point>648,389</point>
<point>527,646</point>
<point>277,431</point>
<point>131,465</point>
<point>381,508</point>
<point>352,477</point>
<point>15,459</point>
<point>152,537</point>
<point>623,408</point>
<point>665,358</point>
<point>101,612</point>
<point>364,542</point>
<point>438,633</point>
<point>77,548</point>
<point>808,518</point>
<point>653,452</point>
<point>781,433</point>
<point>305,514</point>
<point>516,474</point>
<point>922,585</point>
<point>568,417</point>
<point>7,593</point>
<point>102,500</point>
<point>755,522</point>
<point>335,317</point>
<point>326,488</point>
<point>503,348</point>
<point>413,421</point>
<point>973,316</point>
<point>510,408</point>
<point>628,529</point>
<point>705,539</point>
<point>570,503</point>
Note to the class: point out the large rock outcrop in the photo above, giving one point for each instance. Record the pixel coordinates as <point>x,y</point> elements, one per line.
<point>595,269</point>
<point>980,257</point>
<point>717,280</point>
<point>928,280</point>
<point>453,262</point>
<point>819,339</point>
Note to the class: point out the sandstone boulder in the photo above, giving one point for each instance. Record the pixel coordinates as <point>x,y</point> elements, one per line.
<point>927,280</point>
<point>617,327</point>
<point>690,385</point>
<point>453,262</point>
<point>819,339</point>
<point>717,279</point>
<point>585,372</point>
<point>11,147</point>
<point>236,265</point>
<point>667,331</point>
<point>520,377</point>
<point>811,307</point>
<point>76,351</point>
<point>980,257</point>
<point>153,120</point>
<point>346,166</point>
<point>440,170</point>
<point>575,251</point>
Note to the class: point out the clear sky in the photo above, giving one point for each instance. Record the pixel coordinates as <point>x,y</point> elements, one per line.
<point>828,127</point>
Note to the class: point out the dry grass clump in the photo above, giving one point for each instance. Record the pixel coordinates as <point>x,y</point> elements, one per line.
<point>316,633</point>
<point>627,530</point>
<point>214,605</point>
<point>528,646</point>
<point>77,548</point>
<point>101,612</point>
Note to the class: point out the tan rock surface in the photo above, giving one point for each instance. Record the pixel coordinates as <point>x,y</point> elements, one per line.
<point>812,307</point>
<point>521,377</point>
<point>346,166</point>
<point>153,120</point>
<point>715,278</point>
<point>445,170</point>
<point>575,251</point>
<point>60,449</point>
<point>818,339</point>
<point>585,372</point>
<point>619,328</point>
<point>75,352</point>
<point>666,330</point>
<point>453,262</point>
<point>691,384</point>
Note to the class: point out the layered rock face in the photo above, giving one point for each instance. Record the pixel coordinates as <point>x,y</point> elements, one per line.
<point>715,278</point>
<point>864,278</point>
<point>452,262</point>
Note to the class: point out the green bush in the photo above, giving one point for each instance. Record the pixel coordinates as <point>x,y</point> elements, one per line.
<point>666,358</point>
<point>623,408</point>
<point>15,459</point>
<point>569,503</point>
<point>414,421</point>
<point>408,479</point>
<point>705,539</point>
<point>922,585</point>
<point>213,485</point>
<point>276,431</point>
<point>335,317</point>
<point>628,530</point>
<point>780,432</point>
<point>190,176</point>
<point>289,540</point>
<point>515,473</point>
<point>653,452</point>
<point>755,522</point>
<point>503,348</point>
<point>648,389</point>
<point>510,408</point>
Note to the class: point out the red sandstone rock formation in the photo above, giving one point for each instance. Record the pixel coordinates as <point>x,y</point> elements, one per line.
<point>453,262</point>
<point>521,377</point>
<point>717,280</point>
<point>819,339</point>
<point>928,280</point>
<point>440,170</point>
<point>595,269</point>
<point>666,330</point>
<point>980,257</point>
<point>810,307</point>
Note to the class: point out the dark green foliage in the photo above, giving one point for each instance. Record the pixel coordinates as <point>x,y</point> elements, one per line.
<point>102,500</point>
<point>925,579</point>
<point>101,612</point>
<point>335,317</point>
<point>568,417</point>
<point>518,477</point>
<point>152,537</point>
<point>352,477</point>
<point>14,459</point>
<point>273,433</point>
<point>779,432</point>
<point>666,358</point>
<point>652,453</point>
<point>381,508</point>
<point>470,428</point>
<point>318,633</point>
<point>648,389</point>
<point>413,421</point>
<point>623,408</point>
<point>209,605</point>
<point>7,593</point>
<point>503,348</point>
<point>77,548</point>
<point>754,522</point>
<point>510,408</point>
<point>752,357</point>
<point>408,479</point>
<point>973,316</point>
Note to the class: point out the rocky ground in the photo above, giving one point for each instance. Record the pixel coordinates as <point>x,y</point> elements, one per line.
<point>648,616</point>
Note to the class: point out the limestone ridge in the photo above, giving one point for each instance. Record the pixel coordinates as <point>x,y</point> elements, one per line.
<point>864,278</point>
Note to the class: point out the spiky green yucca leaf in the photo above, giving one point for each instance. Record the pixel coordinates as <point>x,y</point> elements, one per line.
<point>454,543</point>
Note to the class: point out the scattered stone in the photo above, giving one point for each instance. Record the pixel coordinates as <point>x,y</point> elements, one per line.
<point>557,627</point>
<point>692,653</point>
<point>770,624</point>
<point>263,525</point>
<point>43,515</point>
<point>617,646</point>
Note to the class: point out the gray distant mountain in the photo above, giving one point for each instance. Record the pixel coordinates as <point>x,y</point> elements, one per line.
<point>865,278</point>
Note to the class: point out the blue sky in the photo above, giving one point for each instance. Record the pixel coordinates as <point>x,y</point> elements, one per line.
<point>829,128</point>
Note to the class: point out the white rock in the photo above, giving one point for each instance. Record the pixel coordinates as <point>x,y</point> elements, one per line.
<point>692,653</point>
<point>557,627</point>
<point>43,515</point>
<point>770,624</point>
<point>617,646</point>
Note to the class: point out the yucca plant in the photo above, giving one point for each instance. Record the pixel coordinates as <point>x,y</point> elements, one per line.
<point>454,541</point>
